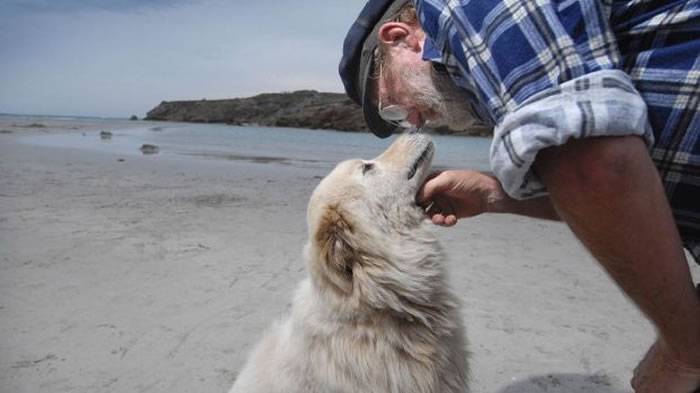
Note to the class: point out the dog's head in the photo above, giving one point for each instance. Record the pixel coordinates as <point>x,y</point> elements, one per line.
<point>368,239</point>
<point>375,192</point>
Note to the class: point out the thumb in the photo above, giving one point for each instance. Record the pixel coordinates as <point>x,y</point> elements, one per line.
<point>436,183</point>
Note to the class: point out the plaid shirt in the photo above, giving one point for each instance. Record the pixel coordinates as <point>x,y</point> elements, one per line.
<point>545,71</point>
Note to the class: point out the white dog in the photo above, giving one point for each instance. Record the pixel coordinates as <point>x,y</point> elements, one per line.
<point>375,315</point>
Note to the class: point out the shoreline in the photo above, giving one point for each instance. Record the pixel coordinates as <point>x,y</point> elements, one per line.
<point>7,127</point>
<point>159,274</point>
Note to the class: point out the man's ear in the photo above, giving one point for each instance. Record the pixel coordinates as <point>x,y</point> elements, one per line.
<point>336,252</point>
<point>394,33</point>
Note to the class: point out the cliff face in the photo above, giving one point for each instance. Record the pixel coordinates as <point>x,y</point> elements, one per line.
<point>299,109</point>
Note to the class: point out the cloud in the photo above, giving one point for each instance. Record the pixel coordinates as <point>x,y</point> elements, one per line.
<point>124,6</point>
<point>118,57</point>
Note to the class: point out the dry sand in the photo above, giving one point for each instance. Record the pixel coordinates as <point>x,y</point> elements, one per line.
<point>154,274</point>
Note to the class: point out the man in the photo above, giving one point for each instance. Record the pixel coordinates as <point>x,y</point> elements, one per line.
<point>596,118</point>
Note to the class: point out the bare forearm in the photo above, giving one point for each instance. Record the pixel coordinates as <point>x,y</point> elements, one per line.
<point>497,201</point>
<point>618,209</point>
<point>536,208</point>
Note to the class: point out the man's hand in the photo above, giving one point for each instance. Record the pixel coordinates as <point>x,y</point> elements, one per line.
<point>660,371</point>
<point>451,195</point>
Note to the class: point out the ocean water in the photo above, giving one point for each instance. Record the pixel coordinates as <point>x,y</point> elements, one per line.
<point>259,145</point>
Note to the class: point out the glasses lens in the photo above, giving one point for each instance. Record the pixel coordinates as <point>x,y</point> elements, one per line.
<point>393,113</point>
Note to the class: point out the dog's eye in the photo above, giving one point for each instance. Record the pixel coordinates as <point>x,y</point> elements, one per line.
<point>366,167</point>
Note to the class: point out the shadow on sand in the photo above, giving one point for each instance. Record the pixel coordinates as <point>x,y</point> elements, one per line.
<point>566,383</point>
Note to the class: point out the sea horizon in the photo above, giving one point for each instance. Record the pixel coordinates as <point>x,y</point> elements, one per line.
<point>7,114</point>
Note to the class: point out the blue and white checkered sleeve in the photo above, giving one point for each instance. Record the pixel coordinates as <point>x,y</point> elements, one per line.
<point>603,103</point>
<point>546,71</point>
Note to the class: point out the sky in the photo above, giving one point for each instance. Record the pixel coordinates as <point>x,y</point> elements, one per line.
<point>115,58</point>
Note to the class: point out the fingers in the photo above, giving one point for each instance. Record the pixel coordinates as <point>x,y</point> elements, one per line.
<point>433,184</point>
<point>441,212</point>
<point>658,372</point>
<point>442,220</point>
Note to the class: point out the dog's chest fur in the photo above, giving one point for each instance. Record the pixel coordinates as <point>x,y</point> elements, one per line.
<point>380,351</point>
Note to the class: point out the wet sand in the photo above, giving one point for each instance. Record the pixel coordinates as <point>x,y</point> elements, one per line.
<point>149,273</point>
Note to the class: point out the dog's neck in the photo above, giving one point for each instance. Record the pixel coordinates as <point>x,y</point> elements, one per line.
<point>402,281</point>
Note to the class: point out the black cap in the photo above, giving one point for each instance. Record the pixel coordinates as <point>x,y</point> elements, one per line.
<point>357,63</point>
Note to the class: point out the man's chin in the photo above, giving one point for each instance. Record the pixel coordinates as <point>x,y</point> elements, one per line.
<point>461,122</point>
<point>444,124</point>
<point>438,121</point>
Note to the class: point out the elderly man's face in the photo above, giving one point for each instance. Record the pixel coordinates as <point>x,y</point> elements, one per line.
<point>429,97</point>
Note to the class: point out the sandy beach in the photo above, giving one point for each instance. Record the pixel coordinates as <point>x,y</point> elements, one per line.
<point>149,273</point>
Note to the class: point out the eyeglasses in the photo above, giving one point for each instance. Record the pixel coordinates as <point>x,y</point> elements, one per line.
<point>394,114</point>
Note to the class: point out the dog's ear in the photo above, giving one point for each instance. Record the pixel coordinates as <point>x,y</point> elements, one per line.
<point>337,253</point>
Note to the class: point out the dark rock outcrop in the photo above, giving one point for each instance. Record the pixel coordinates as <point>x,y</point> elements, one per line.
<point>298,109</point>
<point>149,149</point>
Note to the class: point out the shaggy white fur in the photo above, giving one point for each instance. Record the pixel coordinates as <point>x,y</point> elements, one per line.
<point>375,315</point>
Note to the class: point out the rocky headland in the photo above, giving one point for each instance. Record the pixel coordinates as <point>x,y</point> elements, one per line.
<point>298,109</point>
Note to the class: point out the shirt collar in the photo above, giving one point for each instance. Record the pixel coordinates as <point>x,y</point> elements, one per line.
<point>430,52</point>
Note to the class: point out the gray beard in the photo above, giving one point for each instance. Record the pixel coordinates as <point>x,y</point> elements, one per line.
<point>439,93</point>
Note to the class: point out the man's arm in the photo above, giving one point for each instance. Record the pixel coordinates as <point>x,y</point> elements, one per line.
<point>455,194</point>
<point>610,194</point>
